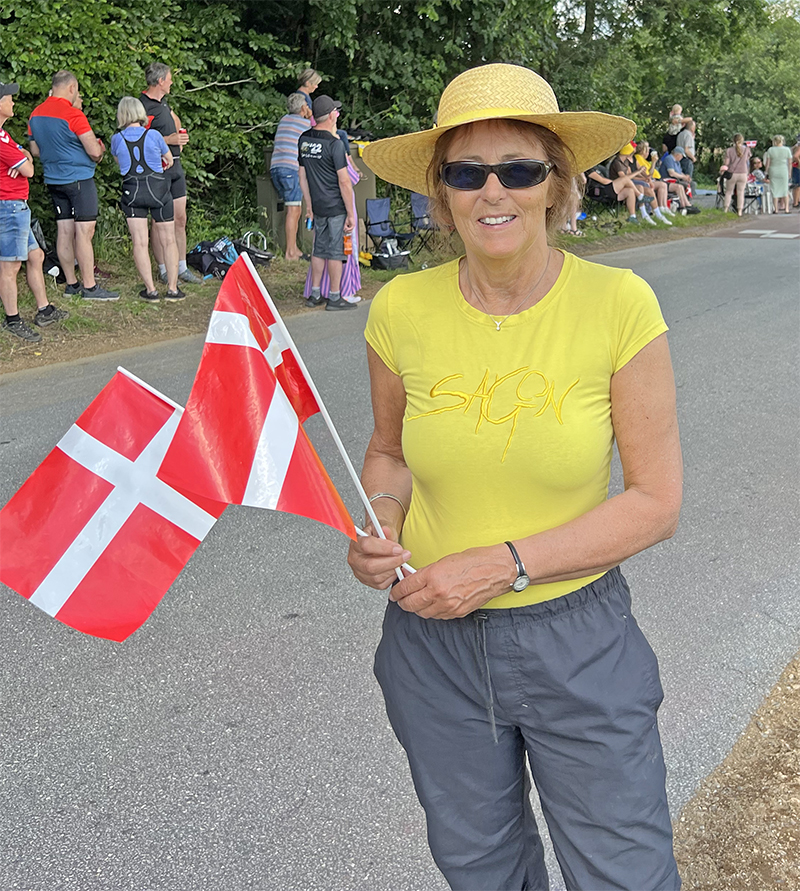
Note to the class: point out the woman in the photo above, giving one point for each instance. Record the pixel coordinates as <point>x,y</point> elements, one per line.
<point>609,188</point>
<point>647,160</point>
<point>737,164</point>
<point>778,166</point>
<point>499,382</point>
<point>308,81</point>
<point>143,156</point>
<point>624,165</point>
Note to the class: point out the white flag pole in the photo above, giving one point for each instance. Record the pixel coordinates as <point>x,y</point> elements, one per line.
<point>323,411</point>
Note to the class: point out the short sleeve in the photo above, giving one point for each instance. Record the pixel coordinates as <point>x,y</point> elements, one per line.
<point>79,123</point>
<point>10,153</point>
<point>339,155</point>
<point>161,143</point>
<point>378,332</point>
<point>639,319</point>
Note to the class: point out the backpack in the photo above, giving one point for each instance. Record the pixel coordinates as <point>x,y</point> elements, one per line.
<point>213,258</point>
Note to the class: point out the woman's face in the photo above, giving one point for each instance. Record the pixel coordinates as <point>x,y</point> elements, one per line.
<point>494,221</point>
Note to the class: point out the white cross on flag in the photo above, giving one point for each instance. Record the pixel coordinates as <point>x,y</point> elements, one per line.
<point>93,537</point>
<point>241,438</point>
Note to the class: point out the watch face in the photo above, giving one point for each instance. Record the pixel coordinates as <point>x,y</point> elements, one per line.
<point>521,583</point>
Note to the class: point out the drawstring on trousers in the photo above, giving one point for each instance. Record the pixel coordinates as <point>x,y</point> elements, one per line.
<point>483,663</point>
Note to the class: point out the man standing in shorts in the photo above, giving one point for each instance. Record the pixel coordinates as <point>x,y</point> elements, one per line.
<point>16,239</point>
<point>162,118</point>
<point>283,168</point>
<point>328,192</point>
<point>62,137</point>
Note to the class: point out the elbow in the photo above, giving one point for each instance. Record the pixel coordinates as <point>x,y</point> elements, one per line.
<point>669,515</point>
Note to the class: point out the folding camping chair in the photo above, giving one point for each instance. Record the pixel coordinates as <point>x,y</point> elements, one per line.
<point>422,226</point>
<point>380,227</point>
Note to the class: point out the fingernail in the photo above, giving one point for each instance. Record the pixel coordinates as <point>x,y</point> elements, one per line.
<point>397,550</point>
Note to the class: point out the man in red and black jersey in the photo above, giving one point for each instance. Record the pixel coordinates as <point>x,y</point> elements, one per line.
<point>161,118</point>
<point>17,242</point>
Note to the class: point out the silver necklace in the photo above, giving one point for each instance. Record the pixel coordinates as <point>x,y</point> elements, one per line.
<point>516,308</point>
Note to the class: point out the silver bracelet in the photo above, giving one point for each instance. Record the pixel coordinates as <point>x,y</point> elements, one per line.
<point>388,495</point>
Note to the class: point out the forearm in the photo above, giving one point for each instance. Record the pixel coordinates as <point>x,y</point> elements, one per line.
<point>346,190</point>
<point>386,472</point>
<point>599,539</point>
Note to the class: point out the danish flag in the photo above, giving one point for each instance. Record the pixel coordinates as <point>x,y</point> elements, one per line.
<point>93,538</point>
<point>241,438</point>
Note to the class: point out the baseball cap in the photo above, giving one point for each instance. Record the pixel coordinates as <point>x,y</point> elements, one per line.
<point>678,150</point>
<point>8,89</point>
<point>324,105</point>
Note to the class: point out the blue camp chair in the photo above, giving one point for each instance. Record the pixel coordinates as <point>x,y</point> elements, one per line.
<point>422,226</point>
<point>380,227</point>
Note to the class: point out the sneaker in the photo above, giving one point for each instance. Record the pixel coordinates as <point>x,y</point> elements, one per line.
<point>692,210</point>
<point>648,219</point>
<point>43,318</point>
<point>633,219</point>
<point>174,295</point>
<point>315,301</point>
<point>354,299</point>
<point>662,219</point>
<point>98,293</point>
<point>22,330</point>
<point>668,210</point>
<point>162,277</point>
<point>341,303</point>
<point>73,290</point>
<point>149,296</point>
<point>188,276</point>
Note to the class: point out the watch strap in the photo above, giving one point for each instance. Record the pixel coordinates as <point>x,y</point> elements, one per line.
<point>520,565</point>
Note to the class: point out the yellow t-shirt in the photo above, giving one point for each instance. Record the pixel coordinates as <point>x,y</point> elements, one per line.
<point>641,161</point>
<point>508,433</point>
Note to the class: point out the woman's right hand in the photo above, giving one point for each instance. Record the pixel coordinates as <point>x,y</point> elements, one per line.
<point>374,560</point>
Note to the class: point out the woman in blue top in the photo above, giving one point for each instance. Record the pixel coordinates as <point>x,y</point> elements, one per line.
<point>143,156</point>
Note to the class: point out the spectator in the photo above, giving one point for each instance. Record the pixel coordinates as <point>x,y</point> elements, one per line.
<point>63,138</point>
<point>165,121</point>
<point>143,158</point>
<point>737,164</point>
<point>778,160</point>
<point>328,192</point>
<point>685,140</point>
<point>648,160</point>
<point>624,165</point>
<point>608,189</point>
<point>574,207</point>
<point>671,170</point>
<point>670,138</point>
<point>16,239</point>
<point>796,172</point>
<point>307,82</point>
<point>284,168</point>
<point>757,169</point>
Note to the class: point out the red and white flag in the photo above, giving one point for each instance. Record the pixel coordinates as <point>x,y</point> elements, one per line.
<point>241,438</point>
<point>93,537</point>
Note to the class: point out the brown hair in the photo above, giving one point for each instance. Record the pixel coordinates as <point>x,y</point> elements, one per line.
<point>738,142</point>
<point>561,178</point>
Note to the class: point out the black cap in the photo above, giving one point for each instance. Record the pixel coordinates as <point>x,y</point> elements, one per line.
<point>324,105</point>
<point>8,89</point>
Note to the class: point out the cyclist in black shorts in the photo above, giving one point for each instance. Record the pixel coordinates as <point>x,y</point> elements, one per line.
<point>144,161</point>
<point>161,118</point>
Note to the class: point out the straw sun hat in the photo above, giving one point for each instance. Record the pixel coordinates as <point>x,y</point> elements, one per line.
<point>488,93</point>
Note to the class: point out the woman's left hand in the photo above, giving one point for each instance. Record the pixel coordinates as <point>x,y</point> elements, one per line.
<point>457,584</point>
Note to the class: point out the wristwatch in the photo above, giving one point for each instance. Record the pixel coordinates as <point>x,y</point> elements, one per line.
<point>522,581</point>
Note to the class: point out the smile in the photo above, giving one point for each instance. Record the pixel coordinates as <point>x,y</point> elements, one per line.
<point>495,221</point>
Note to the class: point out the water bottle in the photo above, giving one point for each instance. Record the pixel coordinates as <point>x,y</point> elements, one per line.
<point>348,244</point>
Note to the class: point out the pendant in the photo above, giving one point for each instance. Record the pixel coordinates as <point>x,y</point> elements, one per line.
<point>498,324</point>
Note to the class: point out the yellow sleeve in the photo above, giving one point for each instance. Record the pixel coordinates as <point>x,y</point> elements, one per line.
<point>378,332</point>
<point>639,319</point>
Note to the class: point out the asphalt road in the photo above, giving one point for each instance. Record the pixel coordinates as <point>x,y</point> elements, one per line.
<point>238,740</point>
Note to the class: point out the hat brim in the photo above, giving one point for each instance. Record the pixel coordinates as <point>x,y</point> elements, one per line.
<point>9,90</point>
<point>591,135</point>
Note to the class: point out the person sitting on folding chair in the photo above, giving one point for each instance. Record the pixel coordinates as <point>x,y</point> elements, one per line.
<point>612,190</point>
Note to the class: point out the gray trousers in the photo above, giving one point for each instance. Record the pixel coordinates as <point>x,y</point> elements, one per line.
<point>572,684</point>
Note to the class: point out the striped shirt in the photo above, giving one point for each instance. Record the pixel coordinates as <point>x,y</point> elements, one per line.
<point>284,154</point>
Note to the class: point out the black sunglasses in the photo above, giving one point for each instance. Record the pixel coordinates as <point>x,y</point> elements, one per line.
<point>467,176</point>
